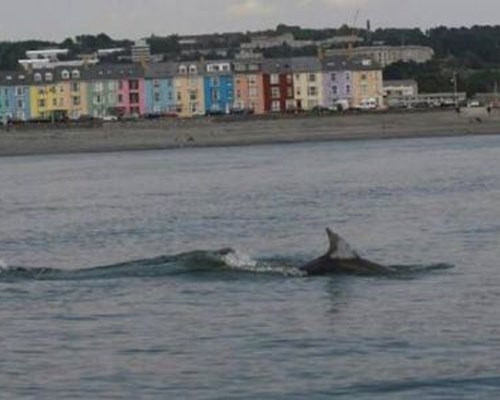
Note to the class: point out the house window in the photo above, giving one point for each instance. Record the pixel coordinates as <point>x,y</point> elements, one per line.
<point>98,86</point>
<point>75,74</point>
<point>120,98</point>
<point>252,80</point>
<point>19,91</point>
<point>275,106</point>
<point>65,74</point>
<point>335,89</point>
<point>363,77</point>
<point>348,89</point>
<point>41,103</point>
<point>275,79</point>
<point>134,98</point>
<point>76,100</point>
<point>252,92</point>
<point>75,87</point>
<point>289,92</point>
<point>193,95</point>
<point>37,77</point>
<point>182,69</point>
<point>275,93</point>
<point>20,103</point>
<point>193,69</point>
<point>312,77</point>
<point>347,76</point>
<point>133,84</point>
<point>312,91</point>
<point>120,85</point>
<point>135,110</point>
<point>49,77</point>
<point>333,76</point>
<point>157,97</point>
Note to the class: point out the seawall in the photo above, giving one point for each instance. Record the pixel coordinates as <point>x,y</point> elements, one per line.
<point>205,132</point>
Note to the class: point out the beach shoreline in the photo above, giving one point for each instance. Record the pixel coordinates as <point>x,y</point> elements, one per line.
<point>222,132</point>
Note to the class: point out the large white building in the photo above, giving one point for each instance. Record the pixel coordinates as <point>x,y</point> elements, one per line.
<point>387,55</point>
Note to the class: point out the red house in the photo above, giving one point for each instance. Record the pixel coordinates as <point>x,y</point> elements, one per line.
<point>278,85</point>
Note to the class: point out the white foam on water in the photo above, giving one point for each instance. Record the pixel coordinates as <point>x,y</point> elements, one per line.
<point>3,266</point>
<point>238,260</point>
<point>242,261</point>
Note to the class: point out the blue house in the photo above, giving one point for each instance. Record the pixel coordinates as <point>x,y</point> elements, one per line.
<point>160,89</point>
<point>15,101</point>
<point>219,87</point>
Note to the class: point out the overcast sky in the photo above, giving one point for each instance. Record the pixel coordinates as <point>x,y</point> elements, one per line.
<point>58,19</point>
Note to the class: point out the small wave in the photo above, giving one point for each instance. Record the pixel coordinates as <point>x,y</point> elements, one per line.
<point>225,261</point>
<point>409,271</point>
<point>196,262</point>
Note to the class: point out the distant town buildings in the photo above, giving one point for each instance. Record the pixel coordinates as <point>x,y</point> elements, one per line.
<point>387,55</point>
<point>407,87</point>
<point>141,52</point>
<point>187,89</point>
<point>38,59</point>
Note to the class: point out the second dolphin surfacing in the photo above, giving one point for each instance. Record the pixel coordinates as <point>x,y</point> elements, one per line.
<point>342,259</point>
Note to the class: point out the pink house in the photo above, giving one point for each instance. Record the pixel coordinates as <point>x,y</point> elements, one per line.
<point>131,95</point>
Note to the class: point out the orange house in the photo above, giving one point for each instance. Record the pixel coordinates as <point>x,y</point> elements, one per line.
<point>249,86</point>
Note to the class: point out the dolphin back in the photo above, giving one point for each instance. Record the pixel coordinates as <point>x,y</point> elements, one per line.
<point>341,258</point>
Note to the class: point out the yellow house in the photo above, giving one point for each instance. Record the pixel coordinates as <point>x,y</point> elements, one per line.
<point>307,83</point>
<point>189,90</point>
<point>367,86</point>
<point>58,94</point>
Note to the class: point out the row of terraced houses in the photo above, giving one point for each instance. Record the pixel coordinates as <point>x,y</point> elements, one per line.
<point>189,89</point>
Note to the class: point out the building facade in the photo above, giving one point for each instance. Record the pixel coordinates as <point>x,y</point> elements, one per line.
<point>249,86</point>
<point>189,86</point>
<point>218,87</point>
<point>159,88</point>
<point>117,90</point>
<point>278,86</point>
<point>308,83</point>
<point>15,101</point>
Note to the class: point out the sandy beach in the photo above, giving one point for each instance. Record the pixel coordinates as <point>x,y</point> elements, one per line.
<point>205,132</point>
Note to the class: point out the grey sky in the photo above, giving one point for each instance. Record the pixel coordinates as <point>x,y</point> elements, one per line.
<point>57,19</point>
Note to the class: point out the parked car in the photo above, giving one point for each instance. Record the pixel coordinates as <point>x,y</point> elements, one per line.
<point>110,118</point>
<point>320,110</point>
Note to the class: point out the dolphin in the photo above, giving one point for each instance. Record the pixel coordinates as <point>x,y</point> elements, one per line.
<point>342,259</point>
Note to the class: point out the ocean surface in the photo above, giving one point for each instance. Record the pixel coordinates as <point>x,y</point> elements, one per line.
<point>112,285</point>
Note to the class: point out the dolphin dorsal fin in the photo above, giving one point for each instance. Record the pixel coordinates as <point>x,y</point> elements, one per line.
<point>339,248</point>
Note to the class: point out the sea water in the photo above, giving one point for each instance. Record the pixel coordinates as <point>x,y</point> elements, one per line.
<point>113,284</point>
